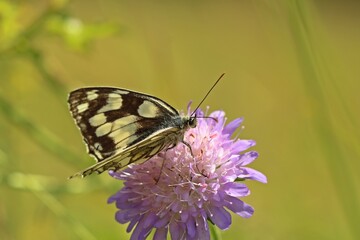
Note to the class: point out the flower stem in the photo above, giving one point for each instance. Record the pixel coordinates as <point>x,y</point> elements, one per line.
<point>214,232</point>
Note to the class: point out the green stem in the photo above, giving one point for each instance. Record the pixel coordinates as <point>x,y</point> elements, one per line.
<point>215,233</point>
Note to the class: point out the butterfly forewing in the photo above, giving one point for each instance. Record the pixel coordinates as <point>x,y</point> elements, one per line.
<point>120,126</point>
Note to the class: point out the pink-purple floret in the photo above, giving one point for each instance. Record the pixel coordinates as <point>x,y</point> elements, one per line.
<point>189,192</point>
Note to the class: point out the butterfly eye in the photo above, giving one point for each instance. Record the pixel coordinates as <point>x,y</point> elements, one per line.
<point>192,122</point>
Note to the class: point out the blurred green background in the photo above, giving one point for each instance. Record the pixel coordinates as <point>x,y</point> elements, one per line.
<point>292,70</point>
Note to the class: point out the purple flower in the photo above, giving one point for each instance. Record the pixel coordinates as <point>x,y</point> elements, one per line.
<point>179,193</point>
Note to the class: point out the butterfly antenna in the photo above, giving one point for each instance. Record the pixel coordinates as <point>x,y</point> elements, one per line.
<point>207,94</point>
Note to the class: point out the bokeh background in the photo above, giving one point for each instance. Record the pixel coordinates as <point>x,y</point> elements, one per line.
<point>292,70</point>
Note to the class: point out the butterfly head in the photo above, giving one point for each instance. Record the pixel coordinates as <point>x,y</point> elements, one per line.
<point>192,121</point>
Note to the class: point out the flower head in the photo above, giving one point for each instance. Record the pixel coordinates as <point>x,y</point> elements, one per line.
<point>178,191</point>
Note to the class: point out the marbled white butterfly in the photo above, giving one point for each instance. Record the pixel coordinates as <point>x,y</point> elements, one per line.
<point>120,126</point>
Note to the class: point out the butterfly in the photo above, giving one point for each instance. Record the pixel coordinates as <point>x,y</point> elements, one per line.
<point>121,127</point>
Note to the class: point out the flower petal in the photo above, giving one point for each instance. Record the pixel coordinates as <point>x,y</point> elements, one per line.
<point>189,107</point>
<point>114,197</point>
<point>140,232</point>
<point>242,145</point>
<point>122,217</point>
<point>220,217</point>
<point>160,234</point>
<point>133,223</point>
<point>239,207</point>
<point>150,219</point>
<point>202,229</point>
<point>220,117</point>
<point>236,189</point>
<point>191,227</point>
<point>232,126</point>
<point>248,157</point>
<point>177,230</point>
<point>162,222</point>
<point>253,174</point>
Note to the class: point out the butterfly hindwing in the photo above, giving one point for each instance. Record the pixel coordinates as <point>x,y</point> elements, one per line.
<point>136,153</point>
<point>113,119</point>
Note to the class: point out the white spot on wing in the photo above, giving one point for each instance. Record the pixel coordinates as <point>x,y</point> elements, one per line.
<point>124,121</point>
<point>98,146</point>
<point>82,107</point>
<point>82,126</point>
<point>114,102</point>
<point>148,109</point>
<point>103,129</point>
<point>98,154</point>
<point>114,95</point>
<point>122,92</point>
<point>97,120</point>
<point>124,129</point>
<point>123,133</point>
<point>165,106</point>
<point>119,125</point>
<point>91,95</point>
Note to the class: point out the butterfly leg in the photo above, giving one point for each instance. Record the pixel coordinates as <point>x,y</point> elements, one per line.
<point>185,143</point>
<point>201,172</point>
<point>161,170</point>
<point>171,147</point>
<point>189,146</point>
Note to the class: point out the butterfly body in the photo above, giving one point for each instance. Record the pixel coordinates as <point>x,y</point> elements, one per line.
<point>120,126</point>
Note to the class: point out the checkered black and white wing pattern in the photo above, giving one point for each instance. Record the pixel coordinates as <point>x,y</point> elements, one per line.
<point>137,153</point>
<point>119,124</point>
